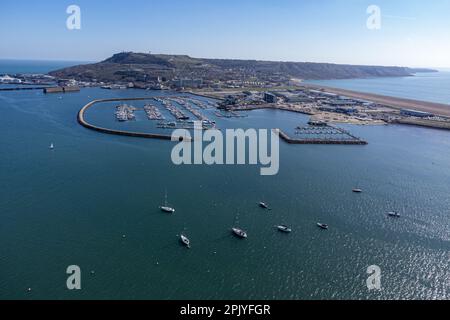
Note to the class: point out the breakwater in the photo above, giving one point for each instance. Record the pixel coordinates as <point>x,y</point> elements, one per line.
<point>81,120</point>
<point>22,88</point>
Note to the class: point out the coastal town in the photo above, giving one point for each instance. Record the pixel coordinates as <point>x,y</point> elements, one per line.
<point>247,92</point>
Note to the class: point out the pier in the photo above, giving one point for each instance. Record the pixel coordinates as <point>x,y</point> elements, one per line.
<point>153,112</point>
<point>177,113</point>
<point>61,89</point>
<point>190,109</point>
<point>330,135</point>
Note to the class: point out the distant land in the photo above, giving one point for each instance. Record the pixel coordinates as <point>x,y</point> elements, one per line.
<point>144,67</point>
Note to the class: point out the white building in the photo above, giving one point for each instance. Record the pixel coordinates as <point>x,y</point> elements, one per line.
<point>7,79</point>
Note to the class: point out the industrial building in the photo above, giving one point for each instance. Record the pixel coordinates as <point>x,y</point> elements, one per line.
<point>187,83</point>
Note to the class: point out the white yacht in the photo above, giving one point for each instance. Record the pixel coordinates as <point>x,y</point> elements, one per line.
<point>166,208</point>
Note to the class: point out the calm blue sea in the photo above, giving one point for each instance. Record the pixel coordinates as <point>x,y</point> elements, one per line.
<point>72,206</point>
<point>433,87</point>
<point>34,66</point>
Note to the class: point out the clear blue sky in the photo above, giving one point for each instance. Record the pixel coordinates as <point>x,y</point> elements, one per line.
<point>413,33</point>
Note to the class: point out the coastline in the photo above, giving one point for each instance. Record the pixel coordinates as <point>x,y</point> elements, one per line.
<point>439,109</point>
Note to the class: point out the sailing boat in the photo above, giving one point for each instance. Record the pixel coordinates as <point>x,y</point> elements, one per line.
<point>51,146</point>
<point>238,231</point>
<point>165,207</point>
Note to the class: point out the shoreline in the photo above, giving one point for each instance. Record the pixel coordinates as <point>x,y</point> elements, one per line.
<point>439,109</point>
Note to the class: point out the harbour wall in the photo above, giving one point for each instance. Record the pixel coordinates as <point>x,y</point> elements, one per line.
<point>81,120</point>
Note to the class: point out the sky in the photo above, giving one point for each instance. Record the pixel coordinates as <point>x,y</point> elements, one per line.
<point>414,33</point>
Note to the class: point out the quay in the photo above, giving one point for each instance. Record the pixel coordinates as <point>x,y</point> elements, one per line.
<point>82,121</point>
<point>61,89</point>
<point>273,107</point>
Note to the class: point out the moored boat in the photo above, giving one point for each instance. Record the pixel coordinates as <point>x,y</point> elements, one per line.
<point>283,228</point>
<point>394,214</point>
<point>322,226</point>
<point>185,241</point>
<point>239,233</point>
<point>166,208</point>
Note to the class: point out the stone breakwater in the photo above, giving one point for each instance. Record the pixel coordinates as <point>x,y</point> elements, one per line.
<point>81,120</point>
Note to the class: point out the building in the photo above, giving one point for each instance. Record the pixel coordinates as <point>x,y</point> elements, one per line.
<point>299,99</point>
<point>415,113</point>
<point>187,83</point>
<point>341,102</point>
<point>9,80</point>
<point>344,110</point>
<point>270,97</point>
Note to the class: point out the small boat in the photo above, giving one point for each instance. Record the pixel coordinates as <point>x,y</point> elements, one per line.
<point>165,207</point>
<point>394,214</point>
<point>185,241</point>
<point>283,228</point>
<point>51,146</point>
<point>357,190</point>
<point>322,226</point>
<point>240,233</point>
<point>264,205</point>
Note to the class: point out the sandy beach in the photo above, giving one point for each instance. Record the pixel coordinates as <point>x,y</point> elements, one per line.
<point>395,103</point>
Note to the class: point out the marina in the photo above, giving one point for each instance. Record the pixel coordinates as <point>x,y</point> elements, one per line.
<point>322,134</point>
<point>314,137</point>
<point>317,132</point>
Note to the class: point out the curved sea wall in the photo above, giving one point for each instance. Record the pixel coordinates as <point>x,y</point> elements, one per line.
<point>84,123</point>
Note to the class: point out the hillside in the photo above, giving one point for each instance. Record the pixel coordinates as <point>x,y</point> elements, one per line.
<point>141,67</point>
